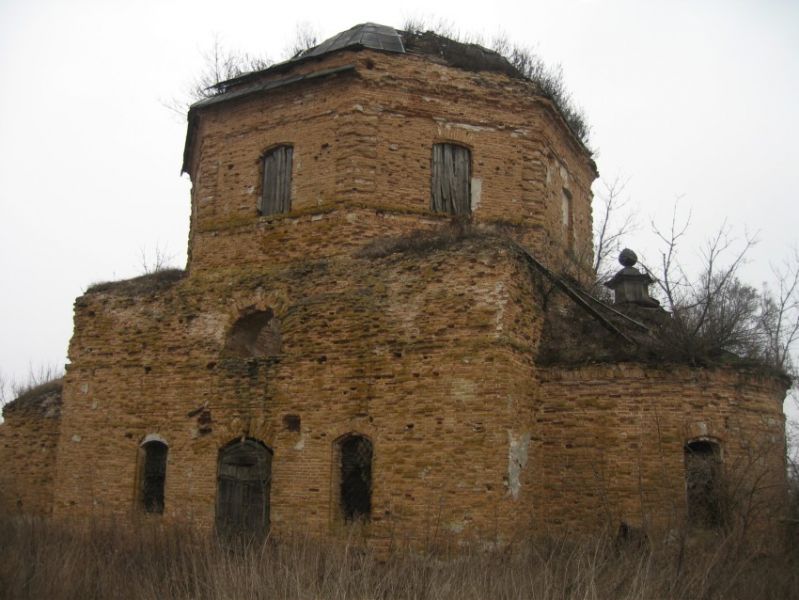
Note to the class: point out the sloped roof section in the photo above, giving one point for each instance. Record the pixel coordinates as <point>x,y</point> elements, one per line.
<point>365,35</point>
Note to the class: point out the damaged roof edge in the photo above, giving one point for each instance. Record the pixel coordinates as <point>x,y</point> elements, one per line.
<point>365,35</point>
<point>248,91</point>
<point>376,37</point>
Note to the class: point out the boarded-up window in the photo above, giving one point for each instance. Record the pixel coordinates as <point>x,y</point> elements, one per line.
<point>276,185</point>
<point>153,476</point>
<point>451,179</point>
<point>243,485</point>
<point>702,482</point>
<point>356,478</point>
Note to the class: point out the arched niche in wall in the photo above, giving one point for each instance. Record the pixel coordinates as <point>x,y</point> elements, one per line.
<point>256,334</point>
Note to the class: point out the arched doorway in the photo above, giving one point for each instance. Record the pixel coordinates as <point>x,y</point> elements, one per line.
<point>243,485</point>
<point>153,455</point>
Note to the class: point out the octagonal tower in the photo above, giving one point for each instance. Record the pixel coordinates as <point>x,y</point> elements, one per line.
<point>359,121</point>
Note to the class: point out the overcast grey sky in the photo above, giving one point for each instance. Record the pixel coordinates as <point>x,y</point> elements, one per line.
<point>696,100</point>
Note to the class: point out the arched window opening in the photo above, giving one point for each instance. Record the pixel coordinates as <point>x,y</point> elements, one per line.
<point>255,335</point>
<point>567,217</point>
<point>702,482</point>
<point>153,476</point>
<point>243,486</point>
<point>356,478</point>
<point>276,183</point>
<point>451,179</point>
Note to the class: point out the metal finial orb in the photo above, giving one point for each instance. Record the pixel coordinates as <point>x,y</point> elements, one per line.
<point>627,258</point>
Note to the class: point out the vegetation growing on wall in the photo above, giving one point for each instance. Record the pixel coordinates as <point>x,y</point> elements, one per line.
<point>41,383</point>
<point>548,79</point>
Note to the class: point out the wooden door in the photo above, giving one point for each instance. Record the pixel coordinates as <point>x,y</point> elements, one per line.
<point>243,486</point>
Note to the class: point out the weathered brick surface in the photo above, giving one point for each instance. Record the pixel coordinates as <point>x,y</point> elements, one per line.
<point>427,348</point>
<point>28,441</point>
<point>373,346</point>
<point>364,140</point>
<point>619,431</point>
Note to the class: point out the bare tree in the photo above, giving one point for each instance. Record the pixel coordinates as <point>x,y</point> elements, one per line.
<point>715,312</point>
<point>305,37</point>
<point>223,64</point>
<point>160,261</point>
<point>220,64</point>
<point>612,223</point>
<point>779,315</point>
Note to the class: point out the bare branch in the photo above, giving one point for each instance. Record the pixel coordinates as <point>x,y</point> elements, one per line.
<point>306,37</point>
<point>160,261</point>
<point>610,227</point>
<point>671,276</point>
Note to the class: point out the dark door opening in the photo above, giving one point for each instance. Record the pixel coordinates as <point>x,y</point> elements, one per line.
<point>356,478</point>
<point>702,483</point>
<point>153,476</point>
<point>243,485</point>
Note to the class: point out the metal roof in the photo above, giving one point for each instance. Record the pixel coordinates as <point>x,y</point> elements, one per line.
<point>366,35</point>
<point>269,85</point>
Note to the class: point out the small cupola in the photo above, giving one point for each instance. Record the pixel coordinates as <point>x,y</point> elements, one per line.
<point>629,285</point>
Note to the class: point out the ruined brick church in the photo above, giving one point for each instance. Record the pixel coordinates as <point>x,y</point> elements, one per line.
<point>383,322</point>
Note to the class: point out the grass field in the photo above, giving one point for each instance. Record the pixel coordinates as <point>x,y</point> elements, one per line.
<point>44,560</point>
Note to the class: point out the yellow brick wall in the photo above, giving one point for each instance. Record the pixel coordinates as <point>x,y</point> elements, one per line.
<point>430,351</point>
<point>364,139</point>
<point>430,355</point>
<point>421,355</point>
<point>28,440</point>
<point>620,430</point>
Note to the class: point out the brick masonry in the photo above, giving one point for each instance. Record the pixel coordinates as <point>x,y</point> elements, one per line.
<point>429,350</point>
<point>28,444</point>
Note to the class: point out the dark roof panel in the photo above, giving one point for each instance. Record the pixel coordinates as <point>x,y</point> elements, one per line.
<point>366,35</point>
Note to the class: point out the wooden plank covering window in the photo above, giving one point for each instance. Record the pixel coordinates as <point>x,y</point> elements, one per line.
<point>451,179</point>
<point>276,188</point>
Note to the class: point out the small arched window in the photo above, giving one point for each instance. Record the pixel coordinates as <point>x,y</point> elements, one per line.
<point>355,485</point>
<point>703,482</point>
<point>153,476</point>
<point>451,179</point>
<point>276,181</point>
<point>567,217</point>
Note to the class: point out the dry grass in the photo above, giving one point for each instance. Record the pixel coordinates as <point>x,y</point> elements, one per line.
<point>149,283</point>
<point>39,559</point>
